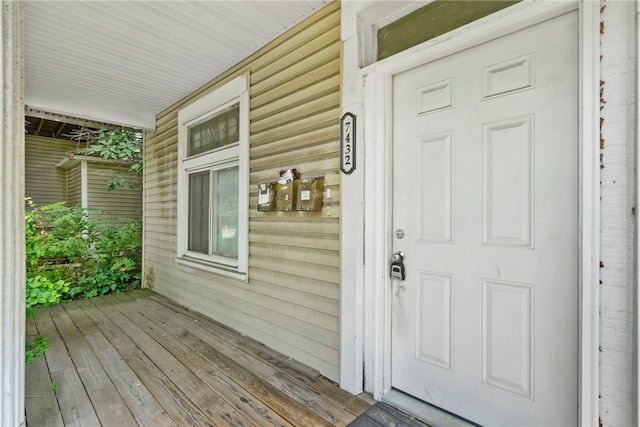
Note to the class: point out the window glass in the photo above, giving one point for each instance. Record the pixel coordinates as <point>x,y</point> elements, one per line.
<point>432,20</point>
<point>225,213</point>
<point>217,131</point>
<point>198,234</point>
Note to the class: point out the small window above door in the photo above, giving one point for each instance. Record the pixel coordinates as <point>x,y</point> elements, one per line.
<point>432,20</point>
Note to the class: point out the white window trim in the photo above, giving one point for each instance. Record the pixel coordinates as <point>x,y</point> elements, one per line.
<point>235,91</point>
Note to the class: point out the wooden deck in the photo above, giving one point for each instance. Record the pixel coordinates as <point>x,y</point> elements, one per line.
<point>137,359</point>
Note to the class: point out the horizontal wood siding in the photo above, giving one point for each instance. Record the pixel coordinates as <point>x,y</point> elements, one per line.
<point>74,186</point>
<point>44,182</point>
<point>291,300</point>
<point>119,204</point>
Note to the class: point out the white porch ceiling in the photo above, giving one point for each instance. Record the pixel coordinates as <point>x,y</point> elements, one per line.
<point>124,61</point>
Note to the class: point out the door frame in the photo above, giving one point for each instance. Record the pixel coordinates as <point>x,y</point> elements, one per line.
<point>378,188</point>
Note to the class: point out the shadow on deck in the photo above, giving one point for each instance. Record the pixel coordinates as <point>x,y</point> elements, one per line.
<point>137,359</point>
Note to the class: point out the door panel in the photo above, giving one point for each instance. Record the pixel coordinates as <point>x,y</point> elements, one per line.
<point>485,169</point>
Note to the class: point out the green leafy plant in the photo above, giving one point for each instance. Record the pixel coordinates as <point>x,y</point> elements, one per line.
<point>35,348</point>
<point>123,144</point>
<point>40,291</point>
<point>92,253</point>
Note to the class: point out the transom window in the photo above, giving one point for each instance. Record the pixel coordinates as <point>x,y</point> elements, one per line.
<point>213,181</point>
<point>432,20</point>
<point>218,131</point>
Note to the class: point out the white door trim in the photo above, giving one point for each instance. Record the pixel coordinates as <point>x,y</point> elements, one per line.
<point>377,216</point>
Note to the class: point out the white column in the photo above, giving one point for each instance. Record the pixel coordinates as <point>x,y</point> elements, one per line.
<point>352,218</point>
<point>635,398</point>
<point>12,266</point>
<point>84,185</point>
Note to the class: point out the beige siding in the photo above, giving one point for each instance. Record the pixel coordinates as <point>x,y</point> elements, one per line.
<point>74,186</point>
<point>118,204</point>
<point>44,182</point>
<point>291,301</point>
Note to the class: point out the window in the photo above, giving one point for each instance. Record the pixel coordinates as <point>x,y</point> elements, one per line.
<point>213,191</point>
<point>432,20</point>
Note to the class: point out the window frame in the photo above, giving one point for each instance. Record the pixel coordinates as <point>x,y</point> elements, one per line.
<point>237,154</point>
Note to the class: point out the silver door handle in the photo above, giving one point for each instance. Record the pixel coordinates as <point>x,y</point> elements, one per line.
<point>398,256</point>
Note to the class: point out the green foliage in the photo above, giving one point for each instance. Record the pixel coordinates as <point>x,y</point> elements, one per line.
<point>40,291</point>
<point>35,348</point>
<point>123,144</point>
<point>53,233</point>
<point>72,255</point>
<point>43,291</point>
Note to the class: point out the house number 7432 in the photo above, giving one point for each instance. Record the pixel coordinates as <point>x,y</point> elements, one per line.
<point>348,143</point>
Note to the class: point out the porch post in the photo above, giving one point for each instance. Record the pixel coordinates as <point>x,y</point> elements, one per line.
<point>12,247</point>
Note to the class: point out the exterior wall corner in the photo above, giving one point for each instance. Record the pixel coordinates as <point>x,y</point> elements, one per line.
<point>12,246</point>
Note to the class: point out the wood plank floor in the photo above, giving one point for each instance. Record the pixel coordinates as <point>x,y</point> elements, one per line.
<point>137,359</point>
<point>383,415</point>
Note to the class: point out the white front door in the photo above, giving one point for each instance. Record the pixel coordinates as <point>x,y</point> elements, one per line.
<point>485,209</point>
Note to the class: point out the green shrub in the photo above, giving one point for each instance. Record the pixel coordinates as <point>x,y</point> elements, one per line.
<point>80,255</point>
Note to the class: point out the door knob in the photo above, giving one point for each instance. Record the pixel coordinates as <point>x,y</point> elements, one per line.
<point>398,256</point>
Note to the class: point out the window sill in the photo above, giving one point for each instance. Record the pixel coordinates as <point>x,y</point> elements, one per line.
<point>211,268</point>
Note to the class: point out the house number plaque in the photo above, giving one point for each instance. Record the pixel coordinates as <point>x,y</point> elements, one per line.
<point>348,143</point>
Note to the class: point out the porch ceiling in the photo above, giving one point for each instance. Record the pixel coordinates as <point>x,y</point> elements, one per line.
<point>125,61</point>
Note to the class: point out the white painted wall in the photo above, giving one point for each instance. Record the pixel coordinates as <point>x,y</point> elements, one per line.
<point>618,73</point>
